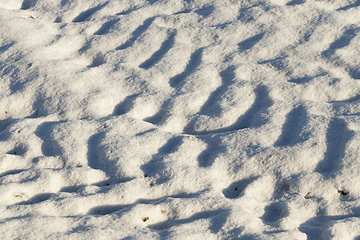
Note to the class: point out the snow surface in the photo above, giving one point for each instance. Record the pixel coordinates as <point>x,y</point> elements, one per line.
<point>179,119</point>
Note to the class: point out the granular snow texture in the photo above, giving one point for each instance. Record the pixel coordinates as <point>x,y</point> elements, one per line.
<point>179,119</point>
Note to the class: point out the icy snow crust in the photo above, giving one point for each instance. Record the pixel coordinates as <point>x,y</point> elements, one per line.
<point>171,119</point>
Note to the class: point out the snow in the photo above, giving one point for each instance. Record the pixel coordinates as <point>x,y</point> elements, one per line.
<point>179,119</point>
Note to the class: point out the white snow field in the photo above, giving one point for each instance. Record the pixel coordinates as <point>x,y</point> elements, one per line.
<point>180,119</point>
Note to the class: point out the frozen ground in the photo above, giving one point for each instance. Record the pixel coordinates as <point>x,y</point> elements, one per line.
<point>180,119</point>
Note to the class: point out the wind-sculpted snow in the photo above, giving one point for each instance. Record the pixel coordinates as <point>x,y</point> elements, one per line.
<point>179,119</point>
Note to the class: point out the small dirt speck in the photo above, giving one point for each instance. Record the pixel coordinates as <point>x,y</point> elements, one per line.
<point>342,192</point>
<point>19,195</point>
<point>144,219</point>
